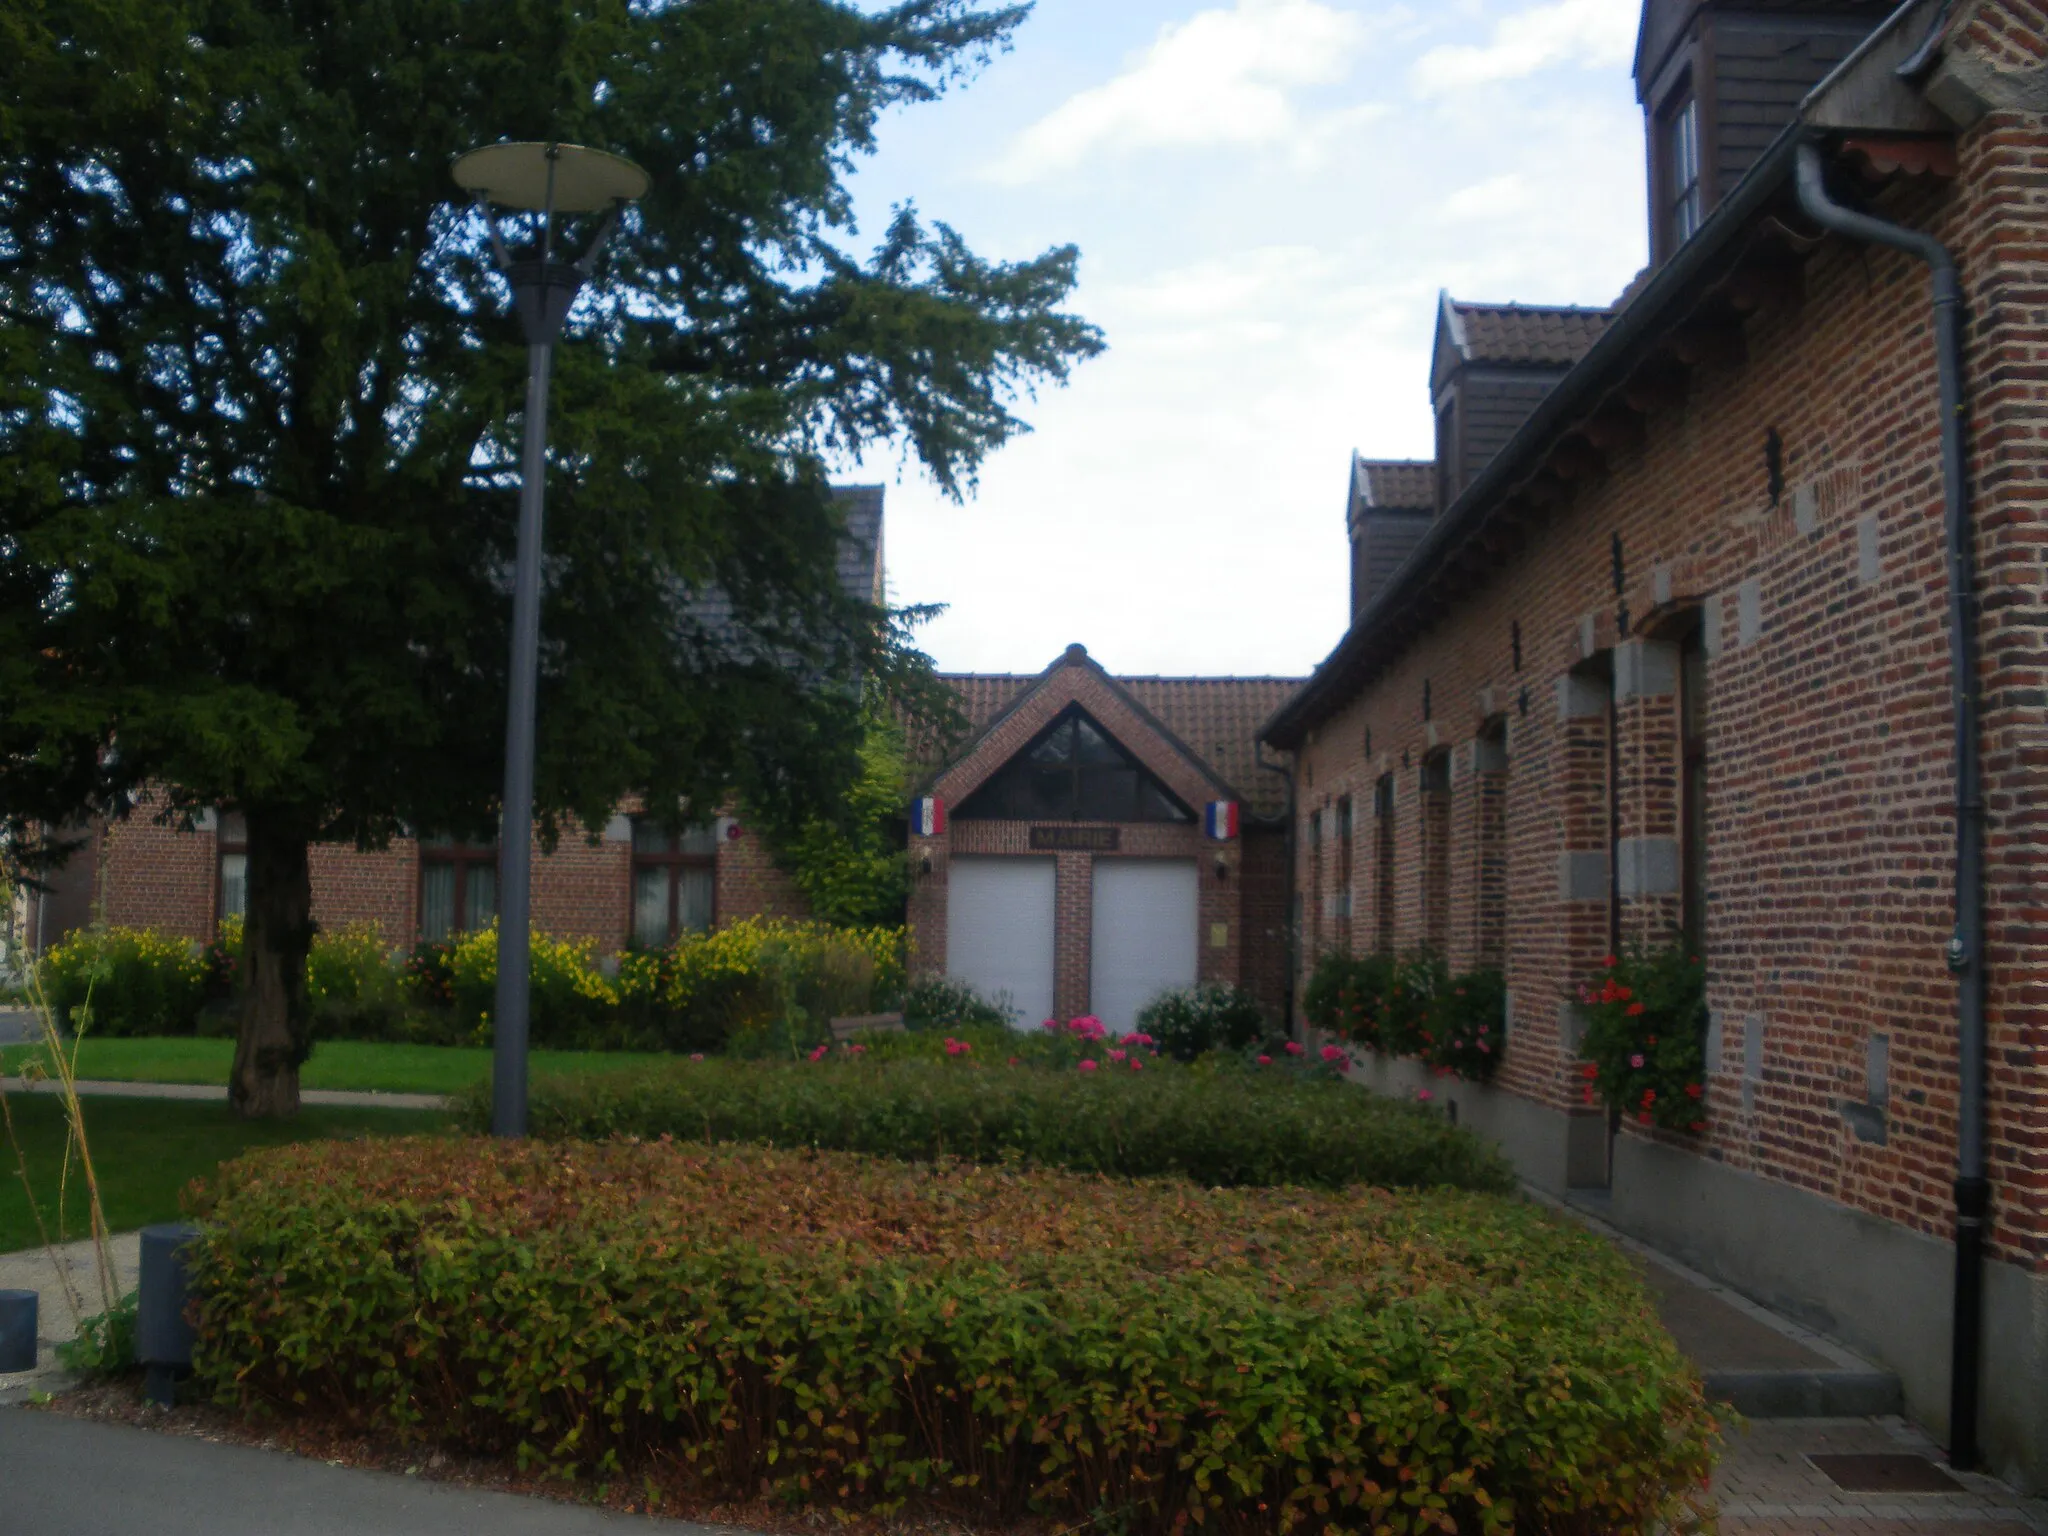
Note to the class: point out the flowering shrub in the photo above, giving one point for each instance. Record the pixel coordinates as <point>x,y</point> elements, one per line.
<point>940,1002</point>
<point>1207,1017</point>
<point>1217,1128</point>
<point>1644,1046</point>
<point>850,1333</point>
<point>125,981</point>
<point>1413,1006</point>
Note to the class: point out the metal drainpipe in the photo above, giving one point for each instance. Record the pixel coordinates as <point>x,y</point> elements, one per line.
<point>1966,946</point>
<point>1293,958</point>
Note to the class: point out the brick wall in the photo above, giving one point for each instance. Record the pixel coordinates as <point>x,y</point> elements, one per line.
<point>1828,716</point>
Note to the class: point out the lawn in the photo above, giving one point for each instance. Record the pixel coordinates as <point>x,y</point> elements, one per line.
<point>146,1150</point>
<point>350,1064</point>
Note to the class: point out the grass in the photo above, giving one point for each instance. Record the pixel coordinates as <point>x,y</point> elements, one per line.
<point>346,1064</point>
<point>146,1150</point>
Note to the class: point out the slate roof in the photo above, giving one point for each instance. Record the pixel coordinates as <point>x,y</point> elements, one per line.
<point>1216,718</point>
<point>860,552</point>
<point>1405,485</point>
<point>1524,335</point>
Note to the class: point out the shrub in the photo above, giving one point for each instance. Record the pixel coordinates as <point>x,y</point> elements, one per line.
<point>352,989</point>
<point>571,1000</point>
<point>131,981</point>
<point>939,1002</point>
<point>1646,1020</point>
<point>1216,1128</point>
<point>842,1332</point>
<point>1209,1017</point>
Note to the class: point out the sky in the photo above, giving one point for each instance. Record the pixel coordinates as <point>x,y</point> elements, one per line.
<point>1268,196</point>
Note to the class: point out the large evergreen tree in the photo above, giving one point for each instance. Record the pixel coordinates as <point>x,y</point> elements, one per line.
<point>259,411</point>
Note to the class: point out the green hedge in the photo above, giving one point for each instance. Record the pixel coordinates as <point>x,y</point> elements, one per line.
<point>1219,1128</point>
<point>992,1344</point>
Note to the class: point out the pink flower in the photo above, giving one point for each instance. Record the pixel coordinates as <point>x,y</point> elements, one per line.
<point>1482,1029</point>
<point>1051,1024</point>
<point>1087,1065</point>
<point>856,1050</point>
<point>1013,1061</point>
<point>1117,1055</point>
<point>1265,1061</point>
<point>1486,1048</point>
<point>1423,1095</point>
<point>1294,1047</point>
<point>1636,1060</point>
<point>819,1053</point>
<point>1334,1056</point>
<point>1137,1065</point>
<point>696,1055</point>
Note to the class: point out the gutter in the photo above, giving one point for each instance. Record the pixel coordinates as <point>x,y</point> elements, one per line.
<point>1966,946</point>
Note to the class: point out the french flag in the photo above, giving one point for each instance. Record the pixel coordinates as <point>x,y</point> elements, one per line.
<point>1222,820</point>
<point>928,816</point>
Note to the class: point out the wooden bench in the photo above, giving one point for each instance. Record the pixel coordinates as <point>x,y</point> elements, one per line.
<point>867,1024</point>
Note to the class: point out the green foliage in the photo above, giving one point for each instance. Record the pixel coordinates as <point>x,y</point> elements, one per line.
<point>1218,1128</point>
<point>1645,1040</point>
<point>852,1334</point>
<point>105,1344</point>
<point>261,393</point>
<point>1412,1005</point>
<point>941,1003</point>
<point>1207,1017</point>
<point>850,864</point>
<point>125,981</point>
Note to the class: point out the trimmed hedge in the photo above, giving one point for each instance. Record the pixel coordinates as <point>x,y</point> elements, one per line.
<point>851,1333</point>
<point>1221,1129</point>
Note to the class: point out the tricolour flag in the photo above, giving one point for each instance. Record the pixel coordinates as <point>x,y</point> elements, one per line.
<point>928,816</point>
<point>1222,820</point>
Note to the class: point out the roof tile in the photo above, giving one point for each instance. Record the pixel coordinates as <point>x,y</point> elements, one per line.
<point>1527,334</point>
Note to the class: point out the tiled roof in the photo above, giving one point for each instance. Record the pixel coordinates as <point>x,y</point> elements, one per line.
<point>1215,718</point>
<point>1527,334</point>
<point>1400,484</point>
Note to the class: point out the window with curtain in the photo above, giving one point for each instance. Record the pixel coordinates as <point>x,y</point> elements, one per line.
<point>675,878</point>
<point>458,887</point>
<point>231,847</point>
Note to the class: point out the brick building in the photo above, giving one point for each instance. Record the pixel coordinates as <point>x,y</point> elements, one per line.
<point>1105,838</point>
<point>1669,650</point>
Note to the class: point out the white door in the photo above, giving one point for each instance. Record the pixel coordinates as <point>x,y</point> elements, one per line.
<point>1144,941</point>
<point>999,927</point>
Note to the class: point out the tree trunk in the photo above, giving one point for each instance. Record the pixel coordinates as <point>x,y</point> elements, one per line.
<point>275,1032</point>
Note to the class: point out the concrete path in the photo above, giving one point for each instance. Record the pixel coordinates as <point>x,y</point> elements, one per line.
<point>206,1092</point>
<point>56,1323</point>
<point>17,1025</point>
<point>67,1477</point>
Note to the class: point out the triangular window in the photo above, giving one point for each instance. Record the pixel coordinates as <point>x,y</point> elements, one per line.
<point>1073,771</point>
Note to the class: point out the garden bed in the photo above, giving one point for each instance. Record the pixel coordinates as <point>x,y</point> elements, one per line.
<point>854,1333</point>
<point>1221,1127</point>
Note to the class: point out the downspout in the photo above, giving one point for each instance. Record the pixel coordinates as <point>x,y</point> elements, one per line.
<point>1293,957</point>
<point>1966,946</point>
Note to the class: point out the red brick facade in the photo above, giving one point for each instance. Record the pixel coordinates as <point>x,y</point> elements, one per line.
<point>1822,610</point>
<point>1242,901</point>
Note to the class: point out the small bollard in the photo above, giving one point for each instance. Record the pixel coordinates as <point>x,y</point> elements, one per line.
<point>163,1339</point>
<point>17,1331</point>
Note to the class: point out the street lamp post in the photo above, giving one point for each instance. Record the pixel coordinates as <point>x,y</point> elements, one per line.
<point>549,179</point>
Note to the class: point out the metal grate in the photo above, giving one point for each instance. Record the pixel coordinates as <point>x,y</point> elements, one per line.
<point>1885,1472</point>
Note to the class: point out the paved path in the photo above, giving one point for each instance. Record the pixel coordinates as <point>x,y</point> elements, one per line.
<point>17,1025</point>
<point>206,1092</point>
<point>67,1477</point>
<point>56,1323</point>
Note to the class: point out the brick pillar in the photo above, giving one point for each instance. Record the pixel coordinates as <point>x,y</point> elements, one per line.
<point>1584,704</point>
<point>1483,941</point>
<point>1433,831</point>
<point>1384,866</point>
<point>927,907</point>
<point>1647,850</point>
<point>1073,935</point>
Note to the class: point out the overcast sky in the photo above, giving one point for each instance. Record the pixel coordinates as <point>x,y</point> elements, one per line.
<point>1268,195</point>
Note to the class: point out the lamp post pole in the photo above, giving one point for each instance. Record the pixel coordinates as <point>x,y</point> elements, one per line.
<point>548,179</point>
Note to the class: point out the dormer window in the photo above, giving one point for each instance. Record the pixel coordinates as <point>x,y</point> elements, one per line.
<point>1680,131</point>
<point>1448,481</point>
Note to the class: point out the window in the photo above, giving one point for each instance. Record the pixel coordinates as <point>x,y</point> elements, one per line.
<point>1344,860</point>
<point>1692,731</point>
<point>1680,133</point>
<point>674,877</point>
<point>458,887</point>
<point>231,847</point>
<point>1383,864</point>
<point>1435,788</point>
<point>1074,771</point>
<point>1315,882</point>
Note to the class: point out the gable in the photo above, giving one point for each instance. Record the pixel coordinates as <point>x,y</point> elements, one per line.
<point>1074,770</point>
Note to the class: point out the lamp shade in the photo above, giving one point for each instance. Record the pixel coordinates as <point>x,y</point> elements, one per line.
<point>516,176</point>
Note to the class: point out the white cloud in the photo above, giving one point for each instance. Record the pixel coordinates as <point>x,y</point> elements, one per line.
<point>1220,77</point>
<point>1595,33</point>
